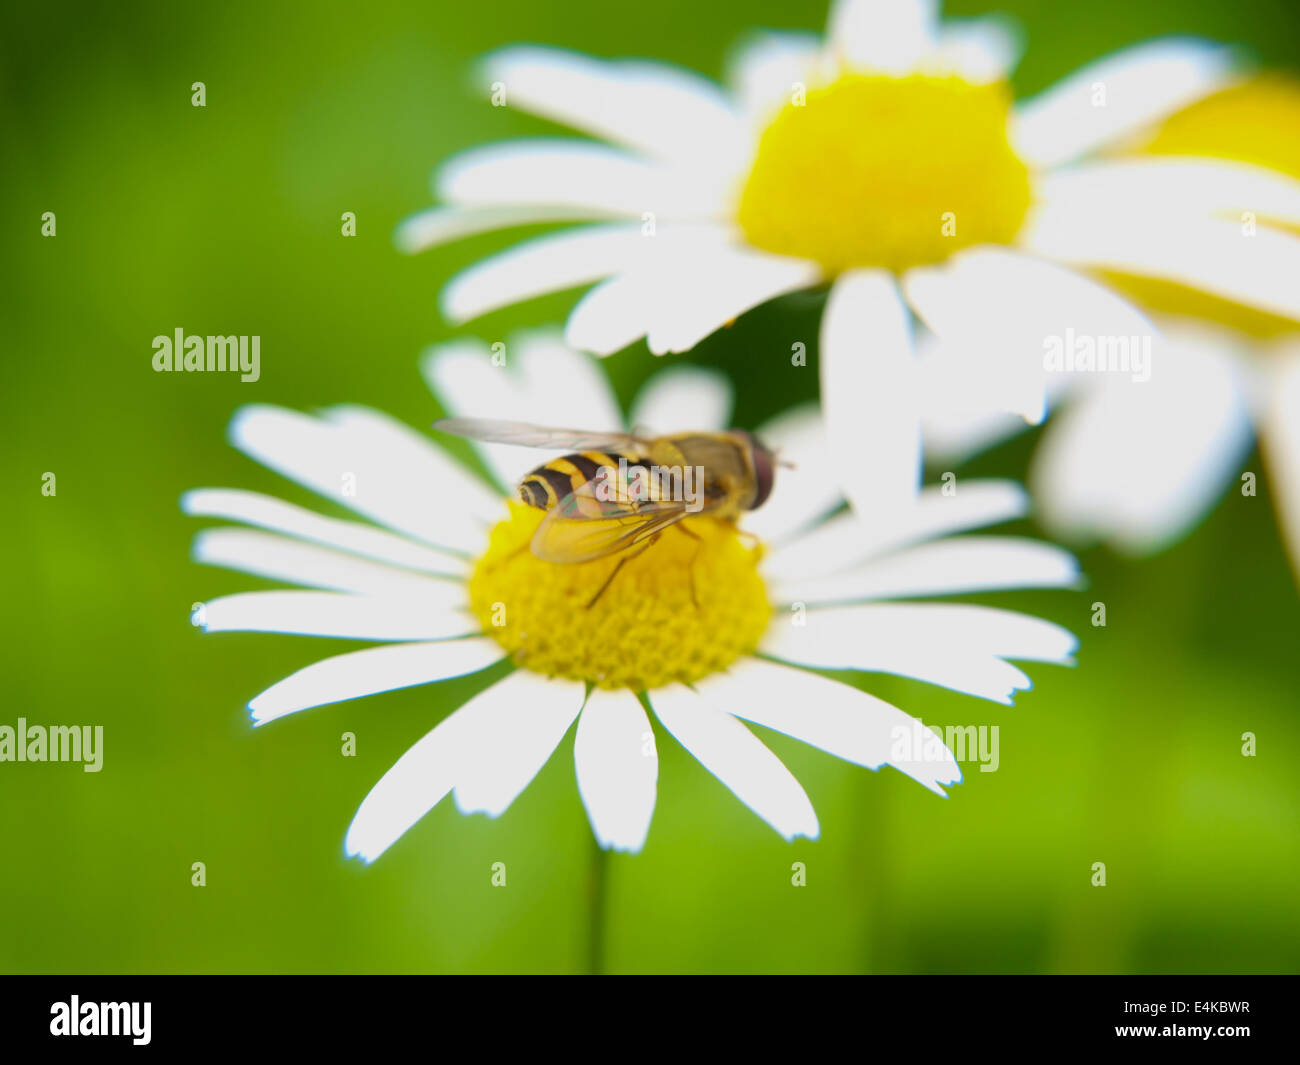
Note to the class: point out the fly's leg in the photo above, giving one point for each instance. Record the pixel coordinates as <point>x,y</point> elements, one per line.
<point>690,566</point>
<point>614,572</point>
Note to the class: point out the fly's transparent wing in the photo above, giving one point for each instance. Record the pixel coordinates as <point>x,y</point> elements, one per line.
<point>524,434</point>
<point>582,527</point>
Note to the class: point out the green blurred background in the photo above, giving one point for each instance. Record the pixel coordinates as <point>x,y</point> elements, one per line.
<point>225,220</point>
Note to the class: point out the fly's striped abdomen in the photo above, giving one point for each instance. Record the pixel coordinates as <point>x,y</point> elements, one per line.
<point>555,481</point>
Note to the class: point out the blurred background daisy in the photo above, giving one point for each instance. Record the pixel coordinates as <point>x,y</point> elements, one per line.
<point>226,220</point>
<point>886,160</point>
<point>1139,463</point>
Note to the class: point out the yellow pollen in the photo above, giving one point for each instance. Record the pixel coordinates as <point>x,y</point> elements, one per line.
<point>646,630</point>
<point>886,172</point>
<point>1258,122</point>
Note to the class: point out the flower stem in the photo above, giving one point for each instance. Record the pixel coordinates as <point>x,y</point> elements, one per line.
<point>596,897</point>
<point>872,862</point>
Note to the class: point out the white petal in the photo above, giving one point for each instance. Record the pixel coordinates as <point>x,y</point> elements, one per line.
<point>958,646</point>
<point>841,541</point>
<point>542,380</point>
<point>523,720</point>
<point>282,559</point>
<point>441,225</point>
<point>618,769</point>
<point>375,466</point>
<point>662,110</point>
<point>691,282</point>
<point>953,434</point>
<point>1001,311</point>
<point>699,294</point>
<point>1170,185</point>
<point>414,785</point>
<point>370,671</point>
<point>833,717</point>
<point>612,315</point>
<point>766,68</point>
<point>1139,462</point>
<point>575,174</point>
<point>419,779</point>
<point>980,675</point>
<point>973,504</point>
<point>253,508</point>
<point>946,567</point>
<point>555,377</point>
<point>1221,256</point>
<point>1118,96</point>
<point>351,617</point>
<point>962,409</point>
<point>983,676</point>
<point>868,395</point>
<point>739,759</point>
<point>886,35</point>
<point>979,50</point>
<point>807,490</point>
<point>466,382</point>
<point>683,398</point>
<point>1280,433</point>
<point>545,264</point>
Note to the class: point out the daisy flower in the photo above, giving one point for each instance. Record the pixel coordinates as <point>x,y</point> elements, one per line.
<point>1138,463</point>
<point>887,160</point>
<point>704,632</point>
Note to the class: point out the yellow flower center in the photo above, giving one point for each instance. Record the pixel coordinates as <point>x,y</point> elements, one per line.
<point>887,172</point>
<point>1257,121</point>
<point>687,606</point>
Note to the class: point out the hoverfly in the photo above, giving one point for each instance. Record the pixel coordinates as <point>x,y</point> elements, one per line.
<point>604,497</point>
